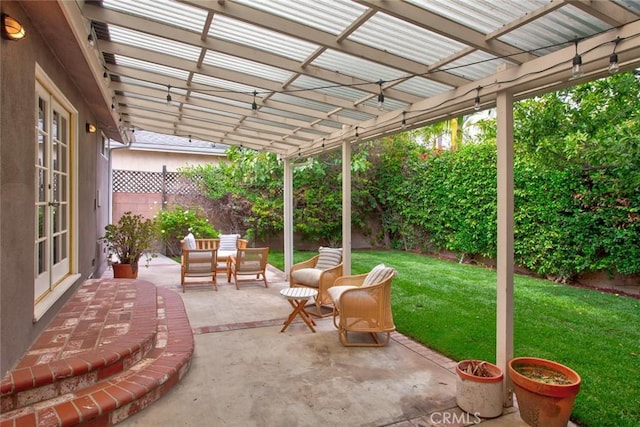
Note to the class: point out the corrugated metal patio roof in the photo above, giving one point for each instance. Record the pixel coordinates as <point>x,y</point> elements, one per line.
<point>315,70</point>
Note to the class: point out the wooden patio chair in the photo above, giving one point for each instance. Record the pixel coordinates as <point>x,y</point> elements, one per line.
<point>199,259</point>
<point>249,262</point>
<point>227,246</point>
<point>318,273</point>
<point>362,304</point>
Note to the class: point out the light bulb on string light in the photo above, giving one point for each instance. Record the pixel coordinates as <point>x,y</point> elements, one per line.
<point>614,67</point>
<point>576,64</point>
<point>254,105</point>
<point>380,97</point>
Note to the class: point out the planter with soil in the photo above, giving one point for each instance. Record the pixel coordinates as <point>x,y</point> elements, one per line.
<point>479,388</point>
<point>545,390</point>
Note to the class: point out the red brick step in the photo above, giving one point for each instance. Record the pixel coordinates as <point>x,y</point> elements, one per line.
<point>143,348</point>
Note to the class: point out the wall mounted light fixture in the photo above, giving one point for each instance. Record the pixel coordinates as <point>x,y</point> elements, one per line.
<point>12,29</point>
<point>91,128</point>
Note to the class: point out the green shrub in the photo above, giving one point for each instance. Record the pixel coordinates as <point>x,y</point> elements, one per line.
<point>177,222</point>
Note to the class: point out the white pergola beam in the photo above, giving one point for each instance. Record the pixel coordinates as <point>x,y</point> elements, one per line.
<point>157,29</point>
<point>146,76</point>
<point>346,207</point>
<point>322,38</point>
<point>448,28</point>
<point>504,301</point>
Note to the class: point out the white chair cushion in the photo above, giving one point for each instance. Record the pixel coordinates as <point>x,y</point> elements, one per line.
<point>377,274</point>
<point>329,257</point>
<point>190,241</point>
<point>228,242</point>
<point>307,276</point>
<point>335,292</point>
<point>223,255</point>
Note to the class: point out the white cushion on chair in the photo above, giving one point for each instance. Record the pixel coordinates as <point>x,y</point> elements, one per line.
<point>223,255</point>
<point>329,257</point>
<point>378,274</point>
<point>228,243</point>
<point>190,241</point>
<point>336,291</point>
<point>307,276</point>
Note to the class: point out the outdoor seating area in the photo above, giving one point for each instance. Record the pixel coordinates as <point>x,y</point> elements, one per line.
<point>221,356</point>
<point>205,257</point>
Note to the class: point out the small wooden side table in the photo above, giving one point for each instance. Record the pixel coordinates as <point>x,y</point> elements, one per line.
<point>298,298</point>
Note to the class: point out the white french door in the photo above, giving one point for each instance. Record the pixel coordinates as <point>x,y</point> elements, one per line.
<point>52,178</point>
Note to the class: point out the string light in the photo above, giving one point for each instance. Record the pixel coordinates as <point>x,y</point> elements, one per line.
<point>380,97</point>
<point>576,68</point>
<point>254,105</point>
<point>444,69</point>
<point>614,67</point>
<point>577,71</point>
<point>90,41</point>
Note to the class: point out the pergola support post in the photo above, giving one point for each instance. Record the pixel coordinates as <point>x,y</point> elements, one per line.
<point>346,208</point>
<point>288,217</point>
<point>504,303</point>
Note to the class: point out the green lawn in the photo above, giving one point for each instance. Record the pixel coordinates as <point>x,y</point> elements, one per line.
<point>451,308</point>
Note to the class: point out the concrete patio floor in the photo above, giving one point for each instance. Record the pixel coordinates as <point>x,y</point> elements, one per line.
<point>245,372</point>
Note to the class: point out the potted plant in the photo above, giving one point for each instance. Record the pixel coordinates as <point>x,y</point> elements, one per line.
<point>479,389</point>
<point>128,240</point>
<point>545,390</point>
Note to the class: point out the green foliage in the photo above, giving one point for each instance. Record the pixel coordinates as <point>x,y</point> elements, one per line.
<point>248,190</point>
<point>177,222</point>
<point>579,172</point>
<point>130,238</point>
<point>392,160</point>
<point>576,177</point>
<point>452,195</point>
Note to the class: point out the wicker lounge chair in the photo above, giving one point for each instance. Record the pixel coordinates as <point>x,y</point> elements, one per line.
<point>362,303</point>
<point>318,273</point>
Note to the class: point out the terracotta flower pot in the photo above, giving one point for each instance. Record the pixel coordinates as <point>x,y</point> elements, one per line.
<point>481,396</point>
<point>124,271</point>
<point>545,390</point>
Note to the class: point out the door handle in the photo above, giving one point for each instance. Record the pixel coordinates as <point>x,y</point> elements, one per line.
<point>54,204</point>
